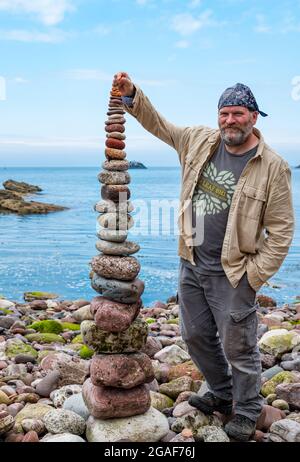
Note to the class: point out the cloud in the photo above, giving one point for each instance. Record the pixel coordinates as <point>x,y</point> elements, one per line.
<point>19,80</point>
<point>21,35</point>
<point>194,3</point>
<point>261,26</point>
<point>290,24</point>
<point>102,30</point>
<point>49,12</point>
<point>182,44</point>
<point>186,24</point>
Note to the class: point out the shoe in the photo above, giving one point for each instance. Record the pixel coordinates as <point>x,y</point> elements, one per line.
<point>208,403</point>
<point>240,428</point>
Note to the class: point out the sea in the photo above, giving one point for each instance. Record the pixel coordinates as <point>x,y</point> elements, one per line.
<point>53,252</point>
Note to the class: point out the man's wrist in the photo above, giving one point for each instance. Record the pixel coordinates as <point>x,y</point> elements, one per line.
<point>133,93</point>
<point>128,100</point>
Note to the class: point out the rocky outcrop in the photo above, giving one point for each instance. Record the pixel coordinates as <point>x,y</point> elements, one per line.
<point>11,200</point>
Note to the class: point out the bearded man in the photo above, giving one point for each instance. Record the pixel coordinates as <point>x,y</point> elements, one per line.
<point>239,190</point>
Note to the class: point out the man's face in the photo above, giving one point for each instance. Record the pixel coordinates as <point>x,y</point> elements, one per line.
<point>236,124</point>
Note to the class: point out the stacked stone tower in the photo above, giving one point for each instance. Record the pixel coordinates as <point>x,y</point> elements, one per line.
<point>119,371</point>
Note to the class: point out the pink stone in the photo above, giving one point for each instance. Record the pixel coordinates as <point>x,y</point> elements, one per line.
<point>290,392</point>
<point>3,365</point>
<point>14,438</point>
<point>121,371</point>
<point>107,403</point>
<point>152,346</point>
<point>31,437</point>
<point>115,143</point>
<point>259,436</point>
<point>268,416</point>
<point>113,316</point>
<point>160,305</point>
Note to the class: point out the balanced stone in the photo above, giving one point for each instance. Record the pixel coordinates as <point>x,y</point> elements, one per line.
<point>120,120</point>
<point>115,128</point>
<point>131,340</point>
<point>114,116</point>
<point>107,403</point>
<point>113,267</point>
<point>114,154</point>
<point>116,221</point>
<point>115,93</point>
<point>116,100</point>
<point>111,112</point>
<point>124,248</point>
<point>151,426</point>
<point>119,136</point>
<point>114,178</point>
<point>114,207</point>
<point>112,235</point>
<point>120,291</point>
<point>114,143</point>
<point>121,371</point>
<point>116,193</point>
<point>115,105</point>
<point>112,316</point>
<point>116,165</point>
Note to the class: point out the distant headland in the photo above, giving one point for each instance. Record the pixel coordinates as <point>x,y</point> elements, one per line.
<point>135,164</point>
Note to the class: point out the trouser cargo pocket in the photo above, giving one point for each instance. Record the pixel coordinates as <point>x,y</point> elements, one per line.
<point>242,331</point>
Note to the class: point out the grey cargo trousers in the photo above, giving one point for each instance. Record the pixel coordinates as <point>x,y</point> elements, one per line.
<point>219,326</point>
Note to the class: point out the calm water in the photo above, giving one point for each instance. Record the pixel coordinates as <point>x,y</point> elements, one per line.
<point>52,252</point>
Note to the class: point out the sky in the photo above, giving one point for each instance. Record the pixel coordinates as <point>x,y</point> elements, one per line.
<point>58,58</point>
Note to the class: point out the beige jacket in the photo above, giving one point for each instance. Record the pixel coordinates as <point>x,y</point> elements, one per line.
<point>261,220</point>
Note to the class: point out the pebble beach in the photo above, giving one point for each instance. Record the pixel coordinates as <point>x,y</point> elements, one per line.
<point>45,362</point>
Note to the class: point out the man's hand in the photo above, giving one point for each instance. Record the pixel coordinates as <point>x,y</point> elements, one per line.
<point>124,83</point>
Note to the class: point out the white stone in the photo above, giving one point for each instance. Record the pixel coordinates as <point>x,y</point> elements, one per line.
<point>51,304</point>
<point>64,421</point>
<point>62,438</point>
<point>172,355</point>
<point>146,428</point>
<point>60,395</point>
<point>212,434</point>
<point>182,408</point>
<point>76,404</point>
<point>274,316</point>
<point>6,304</point>
<point>3,356</point>
<point>287,429</point>
<point>83,314</point>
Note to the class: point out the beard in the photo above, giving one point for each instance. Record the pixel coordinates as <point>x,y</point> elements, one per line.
<point>236,135</point>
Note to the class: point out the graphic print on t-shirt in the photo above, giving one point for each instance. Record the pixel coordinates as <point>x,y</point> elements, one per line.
<point>214,191</point>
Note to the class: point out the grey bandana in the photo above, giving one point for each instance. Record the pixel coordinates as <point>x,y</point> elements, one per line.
<point>239,95</point>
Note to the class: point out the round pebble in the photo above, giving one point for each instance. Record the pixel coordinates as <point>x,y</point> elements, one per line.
<point>114,154</point>
<point>115,128</point>
<point>281,404</point>
<point>114,178</point>
<point>64,421</point>
<point>116,193</point>
<point>119,136</point>
<point>115,165</point>
<point>115,143</point>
